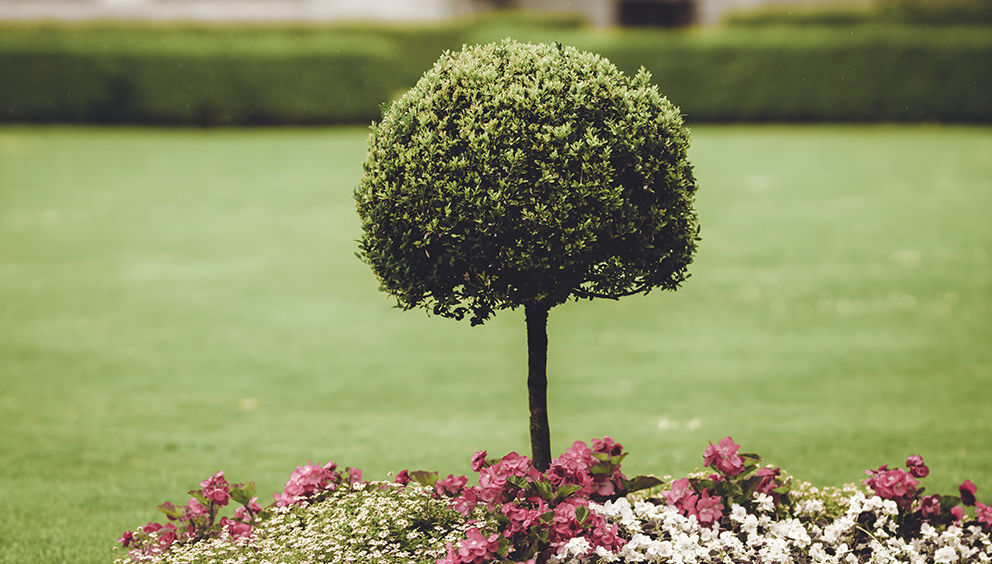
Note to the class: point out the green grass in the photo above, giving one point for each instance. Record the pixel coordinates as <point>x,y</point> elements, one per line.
<point>839,317</point>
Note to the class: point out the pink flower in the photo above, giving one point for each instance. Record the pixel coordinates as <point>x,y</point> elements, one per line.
<point>708,509</point>
<point>215,488</point>
<point>680,491</point>
<point>235,528</point>
<point>479,461</point>
<point>724,457</point>
<point>403,478</point>
<point>354,476</point>
<point>245,513</point>
<point>897,485</point>
<point>309,476</point>
<point>450,486</point>
<point>983,514</point>
<point>466,502</point>
<point>958,512</point>
<point>572,468</point>
<point>151,528</point>
<point>477,548</point>
<point>126,539</point>
<point>522,518</point>
<point>284,499</point>
<point>194,510</point>
<point>515,465</point>
<point>607,446</point>
<point>566,524</point>
<point>768,482</point>
<point>916,466</point>
<point>930,506</point>
<point>968,490</point>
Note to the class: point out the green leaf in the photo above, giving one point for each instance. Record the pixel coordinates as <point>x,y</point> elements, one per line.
<point>517,481</point>
<point>424,477</point>
<point>641,483</point>
<point>244,493</point>
<point>171,511</point>
<point>567,490</point>
<point>581,514</point>
<point>198,495</point>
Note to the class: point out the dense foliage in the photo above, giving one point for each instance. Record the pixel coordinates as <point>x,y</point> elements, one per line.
<point>516,173</point>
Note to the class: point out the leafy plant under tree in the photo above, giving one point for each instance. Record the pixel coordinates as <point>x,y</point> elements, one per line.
<point>526,175</point>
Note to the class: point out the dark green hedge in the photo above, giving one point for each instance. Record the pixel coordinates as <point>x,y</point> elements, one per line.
<point>303,75</point>
<point>858,73</point>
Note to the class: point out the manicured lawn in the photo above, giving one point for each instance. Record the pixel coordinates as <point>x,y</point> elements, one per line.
<point>177,302</point>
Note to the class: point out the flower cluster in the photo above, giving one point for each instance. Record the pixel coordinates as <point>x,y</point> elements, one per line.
<point>746,514</point>
<point>582,510</point>
<point>537,515</point>
<point>309,482</point>
<point>197,520</point>
<point>915,509</point>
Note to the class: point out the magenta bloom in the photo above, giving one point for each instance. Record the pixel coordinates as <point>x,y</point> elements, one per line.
<point>916,466</point>
<point>897,485</point>
<point>724,457</point>
<point>708,509</point>
<point>235,528</point>
<point>522,518</point>
<point>930,506</point>
<point>126,539</point>
<point>476,548</point>
<point>403,478</point>
<point>354,476</point>
<point>680,491</point>
<point>450,486</point>
<point>968,490</point>
<point>479,461</point>
<point>958,512</point>
<point>466,502</point>
<point>194,509</point>
<point>768,482</point>
<point>607,446</point>
<point>216,488</point>
<point>983,514</point>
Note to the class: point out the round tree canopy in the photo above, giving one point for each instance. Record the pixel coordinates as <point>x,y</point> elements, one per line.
<point>516,173</point>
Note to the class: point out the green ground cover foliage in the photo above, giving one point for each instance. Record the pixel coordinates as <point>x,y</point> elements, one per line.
<point>177,302</point>
<point>860,70</point>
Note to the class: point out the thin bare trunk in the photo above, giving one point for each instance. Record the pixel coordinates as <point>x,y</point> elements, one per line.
<point>536,315</point>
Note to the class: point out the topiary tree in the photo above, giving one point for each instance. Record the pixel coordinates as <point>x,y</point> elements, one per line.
<point>526,175</point>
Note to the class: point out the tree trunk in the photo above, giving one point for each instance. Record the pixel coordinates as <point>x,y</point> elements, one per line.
<point>536,315</point>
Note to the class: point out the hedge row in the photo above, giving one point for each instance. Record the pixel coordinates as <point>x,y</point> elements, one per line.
<point>313,75</point>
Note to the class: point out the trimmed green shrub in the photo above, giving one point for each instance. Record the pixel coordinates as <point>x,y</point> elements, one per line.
<point>526,175</point>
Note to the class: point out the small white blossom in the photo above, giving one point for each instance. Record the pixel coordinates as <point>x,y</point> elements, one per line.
<point>945,555</point>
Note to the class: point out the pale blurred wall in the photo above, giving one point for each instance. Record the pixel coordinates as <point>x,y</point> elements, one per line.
<point>599,12</point>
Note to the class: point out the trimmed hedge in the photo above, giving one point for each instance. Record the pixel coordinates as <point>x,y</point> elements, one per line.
<point>858,73</point>
<point>318,75</point>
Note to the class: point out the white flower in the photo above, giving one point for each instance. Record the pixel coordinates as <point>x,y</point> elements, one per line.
<point>576,546</point>
<point>738,514</point>
<point>765,503</point>
<point>945,555</point>
<point>750,525</point>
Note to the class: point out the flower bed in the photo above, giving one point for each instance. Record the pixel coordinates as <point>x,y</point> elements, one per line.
<point>582,510</point>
